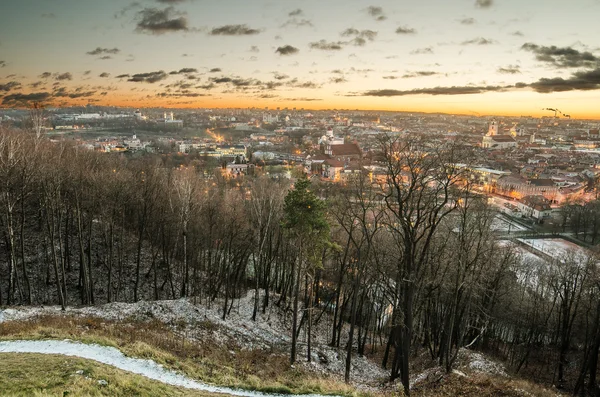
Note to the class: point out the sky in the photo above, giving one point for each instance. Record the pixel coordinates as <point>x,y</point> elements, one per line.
<point>476,57</point>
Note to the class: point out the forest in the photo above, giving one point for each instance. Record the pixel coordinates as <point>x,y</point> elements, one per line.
<point>407,266</point>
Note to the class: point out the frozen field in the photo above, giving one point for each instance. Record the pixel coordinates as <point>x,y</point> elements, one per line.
<point>556,247</point>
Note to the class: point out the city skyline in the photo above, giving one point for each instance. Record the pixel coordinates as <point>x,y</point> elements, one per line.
<point>469,57</point>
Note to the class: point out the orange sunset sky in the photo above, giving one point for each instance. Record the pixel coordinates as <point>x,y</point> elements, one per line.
<point>470,57</point>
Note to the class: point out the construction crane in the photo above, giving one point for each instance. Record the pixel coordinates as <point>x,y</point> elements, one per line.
<point>556,112</point>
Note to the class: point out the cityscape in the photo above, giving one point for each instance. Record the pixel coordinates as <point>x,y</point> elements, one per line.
<point>312,199</point>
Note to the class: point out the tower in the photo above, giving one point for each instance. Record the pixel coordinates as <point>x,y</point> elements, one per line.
<point>493,128</point>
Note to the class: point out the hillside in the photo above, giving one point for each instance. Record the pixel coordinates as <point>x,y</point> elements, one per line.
<point>193,340</point>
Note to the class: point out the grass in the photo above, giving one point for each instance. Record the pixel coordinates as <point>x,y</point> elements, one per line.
<point>53,375</point>
<point>267,371</point>
<point>481,385</point>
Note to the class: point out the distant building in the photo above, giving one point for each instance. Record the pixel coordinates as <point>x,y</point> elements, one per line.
<point>537,207</point>
<point>494,141</point>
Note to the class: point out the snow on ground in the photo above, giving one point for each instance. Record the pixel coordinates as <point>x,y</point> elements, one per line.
<point>113,357</point>
<point>501,224</point>
<point>477,362</point>
<point>271,330</point>
<point>557,248</point>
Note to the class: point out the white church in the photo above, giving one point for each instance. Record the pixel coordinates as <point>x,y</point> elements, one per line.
<point>492,140</point>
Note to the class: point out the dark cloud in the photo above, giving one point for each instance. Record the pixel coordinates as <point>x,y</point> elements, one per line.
<point>437,91</point>
<point>64,76</point>
<point>510,69</point>
<point>326,46</point>
<point>562,57</point>
<point>237,82</point>
<point>2,64</point>
<point>295,13</point>
<point>254,49</point>
<point>376,12</point>
<point>405,30</point>
<point>87,72</point>
<point>156,21</point>
<point>421,51</point>
<point>484,3</point>
<point>420,73</point>
<point>287,50</point>
<point>184,71</point>
<point>105,57</point>
<point>467,21</point>
<point>478,41</point>
<point>517,33</point>
<point>45,75</point>
<point>36,84</point>
<point>390,77</point>
<point>280,76</point>
<point>122,76</point>
<point>214,70</point>
<point>360,36</point>
<point>151,77</point>
<point>104,74</point>
<point>233,30</point>
<point>78,93</point>
<point>23,99</point>
<point>337,80</point>
<point>9,86</point>
<point>579,81</point>
<point>100,51</point>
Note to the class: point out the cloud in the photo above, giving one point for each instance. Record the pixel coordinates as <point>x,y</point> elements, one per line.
<point>233,30</point>
<point>2,64</point>
<point>170,1</point>
<point>280,76</point>
<point>562,57</point>
<point>100,51</point>
<point>405,30</point>
<point>64,76</point>
<point>151,77</point>
<point>78,93</point>
<point>390,77</point>
<point>156,21</point>
<point>104,74</point>
<point>422,51</point>
<point>484,3</point>
<point>214,70</point>
<point>420,73</point>
<point>45,75</point>
<point>455,90</point>
<point>302,99</point>
<point>517,33</point>
<point>295,13</point>
<point>237,82</point>
<point>510,69</point>
<point>360,36</point>
<point>579,81</point>
<point>337,80</point>
<point>467,21</point>
<point>122,76</point>
<point>326,46</point>
<point>254,49</point>
<point>297,23</point>
<point>287,50</point>
<point>184,71</point>
<point>376,12</point>
<point>9,86</point>
<point>22,99</point>
<point>478,41</point>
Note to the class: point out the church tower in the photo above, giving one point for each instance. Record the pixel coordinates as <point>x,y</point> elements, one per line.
<point>493,129</point>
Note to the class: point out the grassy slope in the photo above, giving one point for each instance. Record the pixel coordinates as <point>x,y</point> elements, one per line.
<point>204,360</point>
<point>53,375</point>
